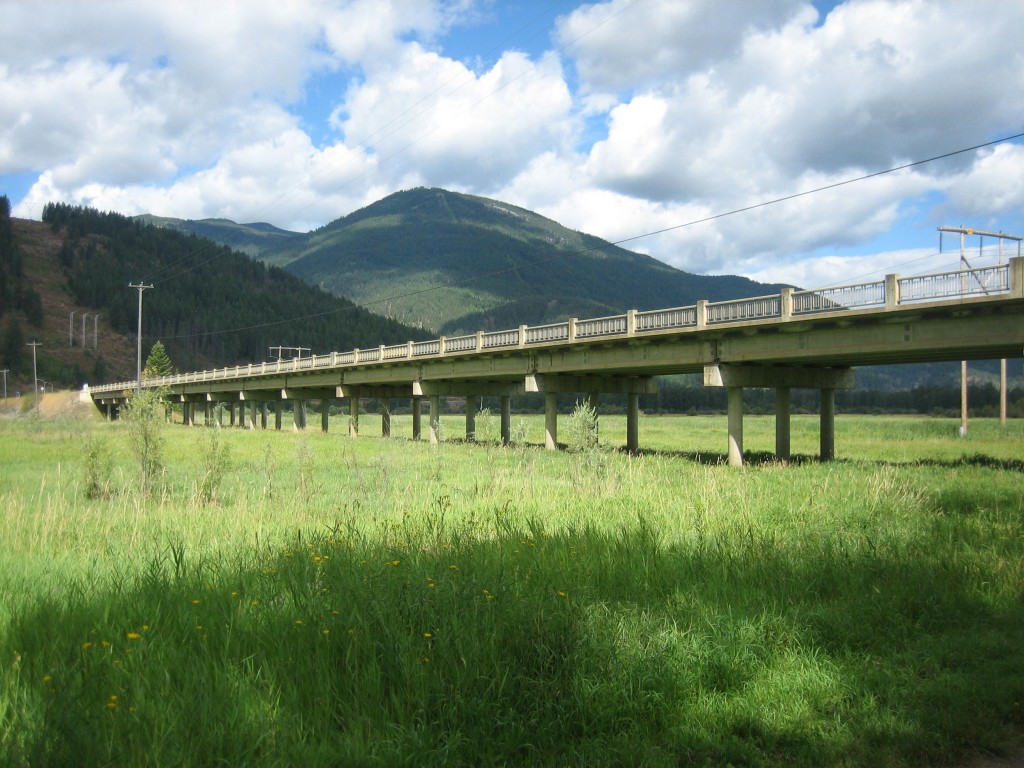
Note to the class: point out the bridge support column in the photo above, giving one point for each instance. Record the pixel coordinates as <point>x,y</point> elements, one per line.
<point>263,415</point>
<point>299,414</point>
<point>417,418</point>
<point>278,414</point>
<point>782,443</point>
<point>632,422</point>
<point>828,425</point>
<point>231,415</point>
<point>735,395</point>
<point>470,418</point>
<point>385,417</point>
<point>353,417</point>
<point>325,414</point>
<point>435,419</point>
<point>186,414</point>
<point>506,419</point>
<point>250,420</point>
<point>206,414</point>
<point>551,420</point>
<point>592,400</point>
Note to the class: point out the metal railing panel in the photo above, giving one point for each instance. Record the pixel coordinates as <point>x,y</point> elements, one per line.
<point>460,344</point>
<point>839,298</point>
<point>396,352</point>
<point>965,282</point>
<point>432,347</point>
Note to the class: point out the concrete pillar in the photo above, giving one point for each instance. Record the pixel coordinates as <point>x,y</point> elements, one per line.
<point>299,414</point>
<point>278,414</point>
<point>263,414</point>
<point>435,419</point>
<point>109,409</point>
<point>207,416</point>
<point>353,417</point>
<point>632,422</point>
<point>828,424</point>
<point>470,418</point>
<point>782,401</point>
<point>325,413</point>
<point>385,417</point>
<point>506,419</point>
<point>735,395</point>
<point>417,418</point>
<point>186,414</point>
<point>250,419</point>
<point>551,420</point>
<point>231,415</point>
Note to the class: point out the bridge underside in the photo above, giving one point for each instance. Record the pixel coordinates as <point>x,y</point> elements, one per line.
<point>809,352</point>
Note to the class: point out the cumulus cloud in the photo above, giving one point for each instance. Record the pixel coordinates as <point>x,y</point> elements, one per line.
<point>636,117</point>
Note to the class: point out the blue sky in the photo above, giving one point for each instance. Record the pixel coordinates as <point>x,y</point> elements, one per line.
<point>617,118</point>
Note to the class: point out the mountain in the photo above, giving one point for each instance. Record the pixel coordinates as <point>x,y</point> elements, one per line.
<point>455,263</point>
<point>251,239</point>
<point>210,306</point>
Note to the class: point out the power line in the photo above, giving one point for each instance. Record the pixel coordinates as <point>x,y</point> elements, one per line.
<point>561,257</point>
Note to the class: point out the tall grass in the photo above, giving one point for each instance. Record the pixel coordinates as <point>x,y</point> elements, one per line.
<point>370,601</point>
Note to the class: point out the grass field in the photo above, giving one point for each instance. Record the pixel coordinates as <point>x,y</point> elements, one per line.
<point>308,599</point>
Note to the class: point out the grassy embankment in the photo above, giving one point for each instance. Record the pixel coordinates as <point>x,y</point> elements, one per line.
<point>286,599</point>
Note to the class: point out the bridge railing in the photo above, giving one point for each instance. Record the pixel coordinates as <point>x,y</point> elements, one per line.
<point>841,297</point>
<point>891,292</point>
<point>965,282</point>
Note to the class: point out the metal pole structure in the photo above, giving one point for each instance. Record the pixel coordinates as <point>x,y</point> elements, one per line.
<point>95,329</point>
<point>71,330</point>
<point>5,371</point>
<point>138,345</point>
<point>84,316</point>
<point>35,378</point>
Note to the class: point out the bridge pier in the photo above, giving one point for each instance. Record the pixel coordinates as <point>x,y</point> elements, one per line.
<point>736,377</point>
<point>299,414</point>
<point>417,416</point>
<point>470,419</point>
<point>325,414</point>
<point>551,420</point>
<point>632,422</point>
<point>506,419</point>
<point>435,419</point>
<point>782,406</point>
<point>263,414</point>
<point>353,417</point>
<point>385,417</point>
<point>278,414</point>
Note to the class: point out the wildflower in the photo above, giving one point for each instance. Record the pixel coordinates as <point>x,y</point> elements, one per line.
<point>427,635</point>
<point>561,594</point>
<point>254,603</point>
<point>105,643</point>
<point>86,645</point>
<point>453,567</point>
<point>134,635</point>
<point>145,627</point>
<point>47,679</point>
<point>234,594</point>
<point>325,632</point>
<point>196,601</point>
<point>298,622</point>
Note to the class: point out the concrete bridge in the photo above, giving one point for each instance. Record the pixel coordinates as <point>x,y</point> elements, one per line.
<point>795,339</point>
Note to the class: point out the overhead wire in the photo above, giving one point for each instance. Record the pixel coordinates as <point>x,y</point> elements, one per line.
<point>580,252</point>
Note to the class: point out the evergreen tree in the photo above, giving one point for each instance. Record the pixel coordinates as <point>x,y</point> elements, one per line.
<point>158,364</point>
<point>14,347</point>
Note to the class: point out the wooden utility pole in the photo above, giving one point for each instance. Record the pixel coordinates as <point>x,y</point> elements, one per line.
<point>138,345</point>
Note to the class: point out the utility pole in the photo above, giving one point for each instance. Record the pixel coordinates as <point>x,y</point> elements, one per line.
<point>35,378</point>
<point>85,316</point>
<point>71,330</point>
<point>138,350</point>
<point>966,265</point>
<point>95,329</point>
<point>5,371</point>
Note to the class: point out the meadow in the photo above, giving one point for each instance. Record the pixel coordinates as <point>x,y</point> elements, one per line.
<point>309,599</point>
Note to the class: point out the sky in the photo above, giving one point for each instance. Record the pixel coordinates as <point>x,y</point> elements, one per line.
<point>621,119</point>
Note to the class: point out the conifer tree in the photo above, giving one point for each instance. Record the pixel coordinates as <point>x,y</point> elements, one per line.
<point>158,363</point>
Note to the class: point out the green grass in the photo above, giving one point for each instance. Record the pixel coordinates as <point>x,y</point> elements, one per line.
<point>382,602</point>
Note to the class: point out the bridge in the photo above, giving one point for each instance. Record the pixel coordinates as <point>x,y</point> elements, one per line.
<point>794,339</point>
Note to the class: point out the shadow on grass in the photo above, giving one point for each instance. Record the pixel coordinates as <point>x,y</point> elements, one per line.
<point>518,647</point>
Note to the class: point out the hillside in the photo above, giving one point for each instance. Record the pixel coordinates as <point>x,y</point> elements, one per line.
<point>455,263</point>
<point>210,306</point>
<point>250,239</point>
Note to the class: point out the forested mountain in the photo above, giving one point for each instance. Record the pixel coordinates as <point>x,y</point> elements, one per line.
<point>210,306</point>
<point>251,239</point>
<point>455,263</point>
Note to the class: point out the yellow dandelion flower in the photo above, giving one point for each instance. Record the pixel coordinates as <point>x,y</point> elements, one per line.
<point>47,678</point>
<point>196,601</point>
<point>453,567</point>
<point>561,594</point>
<point>325,632</point>
<point>234,594</point>
<point>427,635</point>
<point>145,627</point>
<point>86,645</point>
<point>134,635</point>
<point>105,643</point>
<point>254,602</point>
<point>298,622</point>
<point>111,705</point>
